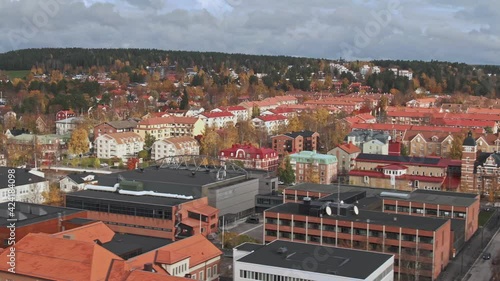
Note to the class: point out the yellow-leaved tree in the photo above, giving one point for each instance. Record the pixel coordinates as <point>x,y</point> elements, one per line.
<point>79,142</point>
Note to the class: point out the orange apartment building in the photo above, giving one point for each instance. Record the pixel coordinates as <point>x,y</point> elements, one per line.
<point>95,252</point>
<point>422,246</point>
<point>295,142</point>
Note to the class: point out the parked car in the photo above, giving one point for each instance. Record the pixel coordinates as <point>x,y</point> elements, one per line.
<point>486,256</point>
<point>253,219</point>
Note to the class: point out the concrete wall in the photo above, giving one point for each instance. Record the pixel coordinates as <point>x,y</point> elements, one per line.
<point>234,198</point>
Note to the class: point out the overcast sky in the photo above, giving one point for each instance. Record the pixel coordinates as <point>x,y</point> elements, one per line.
<point>453,30</point>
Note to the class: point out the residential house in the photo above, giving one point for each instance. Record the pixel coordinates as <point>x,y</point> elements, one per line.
<point>170,126</point>
<point>66,126</point>
<point>376,147</point>
<point>240,112</point>
<point>49,147</point>
<point>112,127</point>
<point>219,120</point>
<point>372,142</point>
<point>41,126</point>
<point>175,146</point>
<point>424,144</point>
<point>251,157</point>
<point>9,133</point>
<point>77,181</point>
<point>310,166</point>
<point>121,145</point>
<point>29,187</point>
<point>64,114</point>
<point>346,156</point>
<point>288,112</point>
<point>295,142</point>
<point>270,123</point>
<point>424,102</point>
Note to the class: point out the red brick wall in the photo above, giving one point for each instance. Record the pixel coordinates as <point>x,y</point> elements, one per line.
<point>49,226</point>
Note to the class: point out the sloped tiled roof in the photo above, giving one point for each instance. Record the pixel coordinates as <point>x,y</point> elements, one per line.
<point>89,233</point>
<point>197,247</point>
<point>349,148</point>
<point>141,275</point>
<point>47,257</point>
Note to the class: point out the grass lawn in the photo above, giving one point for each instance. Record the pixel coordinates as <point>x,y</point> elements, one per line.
<point>17,73</point>
<point>484,216</point>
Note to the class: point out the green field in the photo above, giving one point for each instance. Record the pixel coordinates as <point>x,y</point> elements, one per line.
<point>484,216</point>
<point>17,73</point>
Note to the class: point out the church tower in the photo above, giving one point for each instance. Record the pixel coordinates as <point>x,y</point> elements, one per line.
<point>469,151</point>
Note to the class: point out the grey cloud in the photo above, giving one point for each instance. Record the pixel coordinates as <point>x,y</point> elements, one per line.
<point>316,28</point>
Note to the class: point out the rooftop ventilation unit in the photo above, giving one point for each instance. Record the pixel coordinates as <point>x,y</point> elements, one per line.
<point>282,250</point>
<point>394,194</point>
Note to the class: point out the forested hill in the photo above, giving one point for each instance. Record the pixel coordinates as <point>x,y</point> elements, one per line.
<point>140,58</point>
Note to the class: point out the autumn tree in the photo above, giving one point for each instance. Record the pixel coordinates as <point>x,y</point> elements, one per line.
<point>79,142</point>
<point>132,163</point>
<point>295,124</point>
<point>210,142</point>
<point>149,140</point>
<point>53,197</point>
<point>457,146</point>
<point>285,171</point>
<point>313,174</point>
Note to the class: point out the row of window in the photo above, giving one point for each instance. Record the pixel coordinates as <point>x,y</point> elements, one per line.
<point>430,212</point>
<point>138,226</point>
<point>356,231</point>
<point>252,275</point>
<point>116,208</point>
<point>211,272</point>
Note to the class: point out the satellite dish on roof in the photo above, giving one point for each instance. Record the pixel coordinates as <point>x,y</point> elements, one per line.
<point>356,210</point>
<point>328,210</point>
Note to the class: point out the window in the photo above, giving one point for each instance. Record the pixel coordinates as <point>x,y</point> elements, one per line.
<point>209,271</point>
<point>214,271</point>
<point>193,276</point>
<point>201,275</point>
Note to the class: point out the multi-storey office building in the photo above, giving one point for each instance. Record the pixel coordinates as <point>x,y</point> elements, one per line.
<point>421,245</point>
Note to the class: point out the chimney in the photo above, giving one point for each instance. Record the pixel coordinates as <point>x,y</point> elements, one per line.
<point>148,267</point>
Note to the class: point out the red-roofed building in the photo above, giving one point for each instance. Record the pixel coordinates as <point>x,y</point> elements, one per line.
<point>270,123</point>
<point>170,126</point>
<point>64,114</point>
<point>219,119</point>
<point>251,157</point>
<point>404,173</point>
<point>239,111</point>
<point>346,156</point>
<point>284,111</point>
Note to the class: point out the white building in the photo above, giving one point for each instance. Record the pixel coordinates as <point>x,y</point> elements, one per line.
<point>66,126</point>
<point>294,261</point>
<point>270,123</point>
<point>376,147</point>
<point>239,111</point>
<point>175,146</point>
<point>218,119</point>
<point>28,186</point>
<point>76,182</point>
<point>402,72</point>
<point>122,145</point>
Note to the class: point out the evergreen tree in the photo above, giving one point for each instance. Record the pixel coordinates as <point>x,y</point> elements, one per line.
<point>184,101</point>
<point>285,171</point>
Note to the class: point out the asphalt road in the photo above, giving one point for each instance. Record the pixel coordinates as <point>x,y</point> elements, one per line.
<point>458,268</point>
<point>482,269</point>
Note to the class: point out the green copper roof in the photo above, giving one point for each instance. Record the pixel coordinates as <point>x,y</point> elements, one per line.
<point>311,156</point>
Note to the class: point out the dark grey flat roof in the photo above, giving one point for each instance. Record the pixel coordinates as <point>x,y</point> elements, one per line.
<point>22,176</point>
<point>418,195</point>
<point>166,180</point>
<point>28,213</point>
<point>335,261</point>
<point>248,247</point>
<point>373,217</point>
<point>106,195</point>
<point>125,243</point>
